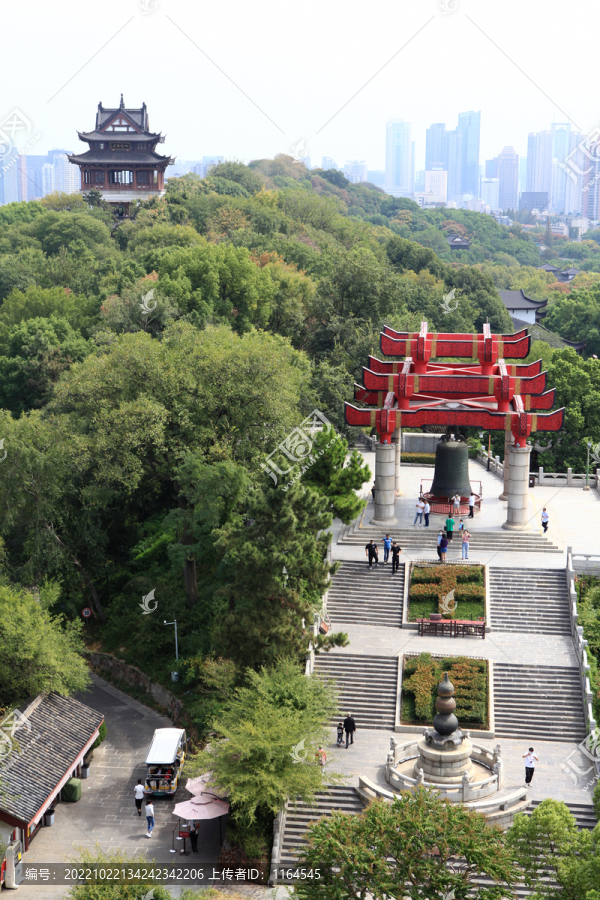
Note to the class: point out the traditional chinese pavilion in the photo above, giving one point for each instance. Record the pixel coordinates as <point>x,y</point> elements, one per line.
<point>491,389</point>
<point>122,162</point>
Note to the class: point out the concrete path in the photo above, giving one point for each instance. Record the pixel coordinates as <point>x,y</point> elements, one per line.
<point>106,816</point>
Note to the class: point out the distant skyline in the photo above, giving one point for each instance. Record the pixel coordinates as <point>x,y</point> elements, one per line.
<point>270,78</point>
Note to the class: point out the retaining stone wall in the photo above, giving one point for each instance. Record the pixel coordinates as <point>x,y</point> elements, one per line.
<point>136,678</point>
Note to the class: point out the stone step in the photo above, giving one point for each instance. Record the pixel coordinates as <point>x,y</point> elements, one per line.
<point>367,687</point>
<point>366,596</point>
<point>298,817</point>
<point>582,812</point>
<point>538,703</point>
<point>420,536</point>
<point>526,600</point>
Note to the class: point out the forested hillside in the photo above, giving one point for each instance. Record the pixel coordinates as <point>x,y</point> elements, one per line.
<point>149,366</point>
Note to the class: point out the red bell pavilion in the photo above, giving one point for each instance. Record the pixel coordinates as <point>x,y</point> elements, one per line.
<point>490,391</point>
<point>122,162</point>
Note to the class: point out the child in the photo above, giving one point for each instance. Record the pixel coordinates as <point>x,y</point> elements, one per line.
<point>340,734</point>
<point>461,526</point>
<point>321,756</point>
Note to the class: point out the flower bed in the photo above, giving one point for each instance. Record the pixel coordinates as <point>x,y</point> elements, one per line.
<point>430,584</point>
<point>421,676</point>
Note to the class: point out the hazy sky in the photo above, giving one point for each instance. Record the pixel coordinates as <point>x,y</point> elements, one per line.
<point>523,63</point>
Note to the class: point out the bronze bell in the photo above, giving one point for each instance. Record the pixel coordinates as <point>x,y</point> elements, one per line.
<point>451,474</point>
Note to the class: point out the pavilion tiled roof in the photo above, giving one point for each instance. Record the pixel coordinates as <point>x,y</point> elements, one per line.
<point>119,157</point>
<point>519,300</point>
<point>60,728</point>
<point>133,136</point>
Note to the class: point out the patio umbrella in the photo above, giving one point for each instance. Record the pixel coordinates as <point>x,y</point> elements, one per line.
<point>203,806</point>
<point>197,785</point>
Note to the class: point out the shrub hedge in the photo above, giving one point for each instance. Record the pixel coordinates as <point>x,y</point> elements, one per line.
<point>421,677</point>
<point>419,458</point>
<point>428,585</point>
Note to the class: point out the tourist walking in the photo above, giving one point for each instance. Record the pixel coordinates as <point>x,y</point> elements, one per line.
<point>372,553</point>
<point>396,551</point>
<point>471,505</point>
<point>149,816</point>
<point>349,728</point>
<point>340,734</point>
<point>321,756</point>
<point>443,548</point>
<point>449,527</point>
<point>439,541</point>
<point>545,520</point>
<point>426,511</point>
<point>387,546</point>
<point>138,793</point>
<point>419,515</point>
<point>466,537</point>
<point>456,501</point>
<point>530,761</point>
<point>193,831</point>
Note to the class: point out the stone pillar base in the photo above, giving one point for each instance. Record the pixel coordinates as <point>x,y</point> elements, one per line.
<point>517,513</point>
<point>385,485</point>
<point>398,443</point>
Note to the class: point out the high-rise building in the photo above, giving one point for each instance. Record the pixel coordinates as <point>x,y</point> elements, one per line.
<point>491,168</point>
<point>454,163</point>
<point>489,192</point>
<point>67,178</point>
<point>539,162</point>
<point>508,178</point>
<point>435,147</point>
<point>328,163</point>
<point>399,159</point>
<point>355,171</point>
<point>9,177</point>
<point>34,165</point>
<point>469,125</point>
<point>436,184</point>
<point>522,174</point>
<point>47,178</point>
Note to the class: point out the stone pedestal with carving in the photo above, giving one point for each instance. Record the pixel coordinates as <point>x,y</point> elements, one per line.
<point>385,485</point>
<point>517,513</point>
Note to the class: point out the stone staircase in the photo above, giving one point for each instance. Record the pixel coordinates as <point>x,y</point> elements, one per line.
<point>532,600</point>
<point>420,538</point>
<point>298,817</point>
<point>582,812</point>
<point>367,686</point>
<point>364,596</point>
<point>538,703</point>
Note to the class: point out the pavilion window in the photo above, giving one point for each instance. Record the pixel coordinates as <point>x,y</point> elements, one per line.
<point>120,176</point>
<point>155,177</point>
<point>142,177</point>
<point>99,177</point>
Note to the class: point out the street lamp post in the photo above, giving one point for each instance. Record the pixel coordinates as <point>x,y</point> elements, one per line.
<point>174,675</point>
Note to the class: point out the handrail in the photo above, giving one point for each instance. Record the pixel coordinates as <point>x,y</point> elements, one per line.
<point>580,646</point>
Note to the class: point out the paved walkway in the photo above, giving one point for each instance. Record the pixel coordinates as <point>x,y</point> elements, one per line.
<point>106,816</point>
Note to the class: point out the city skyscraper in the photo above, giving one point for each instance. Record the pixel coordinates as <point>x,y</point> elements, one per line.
<point>328,163</point>
<point>399,158</point>
<point>355,170</point>
<point>435,147</point>
<point>539,162</point>
<point>469,125</point>
<point>454,163</point>
<point>508,179</point>
<point>490,192</point>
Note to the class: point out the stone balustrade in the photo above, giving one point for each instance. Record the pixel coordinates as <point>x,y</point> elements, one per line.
<point>545,479</point>
<point>580,645</point>
<point>402,751</point>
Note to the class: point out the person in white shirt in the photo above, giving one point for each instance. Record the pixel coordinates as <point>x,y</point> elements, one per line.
<point>472,505</point>
<point>149,816</point>
<point>545,520</point>
<point>530,761</point>
<point>419,515</point>
<point>138,793</point>
<point>426,511</point>
<point>457,503</point>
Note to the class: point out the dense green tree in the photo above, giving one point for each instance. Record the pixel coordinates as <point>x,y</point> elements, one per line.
<point>408,849</point>
<point>36,302</point>
<point>40,652</point>
<point>335,478</point>
<point>576,317</point>
<point>549,843</point>
<point>278,710</point>
<point>37,351</point>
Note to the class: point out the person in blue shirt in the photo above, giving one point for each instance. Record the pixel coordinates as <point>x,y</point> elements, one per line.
<point>387,546</point>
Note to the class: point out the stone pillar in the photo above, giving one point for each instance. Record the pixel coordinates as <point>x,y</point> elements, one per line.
<point>508,439</point>
<point>397,436</point>
<point>517,513</point>
<point>385,485</point>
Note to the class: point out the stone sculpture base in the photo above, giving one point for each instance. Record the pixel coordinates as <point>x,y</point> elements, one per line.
<point>445,766</point>
<point>517,513</point>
